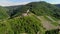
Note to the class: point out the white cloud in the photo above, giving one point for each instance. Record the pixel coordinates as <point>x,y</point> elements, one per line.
<point>9,3</point>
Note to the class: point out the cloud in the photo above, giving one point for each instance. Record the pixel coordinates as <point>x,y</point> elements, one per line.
<point>22,2</point>
<point>52,1</point>
<point>12,3</point>
<point>9,3</point>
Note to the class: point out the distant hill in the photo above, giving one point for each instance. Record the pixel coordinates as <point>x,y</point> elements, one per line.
<point>38,8</point>
<point>58,5</point>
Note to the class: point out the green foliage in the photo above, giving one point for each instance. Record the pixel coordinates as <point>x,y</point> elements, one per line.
<point>43,8</point>
<point>28,24</point>
<point>54,31</point>
<point>3,13</point>
<point>5,28</point>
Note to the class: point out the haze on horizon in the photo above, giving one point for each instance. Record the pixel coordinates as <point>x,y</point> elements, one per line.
<point>22,2</point>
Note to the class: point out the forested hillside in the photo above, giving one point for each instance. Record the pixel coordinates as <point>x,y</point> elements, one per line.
<point>3,13</point>
<point>32,18</point>
<point>58,5</point>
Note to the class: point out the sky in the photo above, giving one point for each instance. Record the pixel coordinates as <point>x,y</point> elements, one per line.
<point>22,2</point>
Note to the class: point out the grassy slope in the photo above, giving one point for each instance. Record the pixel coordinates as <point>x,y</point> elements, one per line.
<point>28,24</point>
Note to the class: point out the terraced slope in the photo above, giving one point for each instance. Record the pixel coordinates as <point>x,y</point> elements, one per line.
<point>46,23</point>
